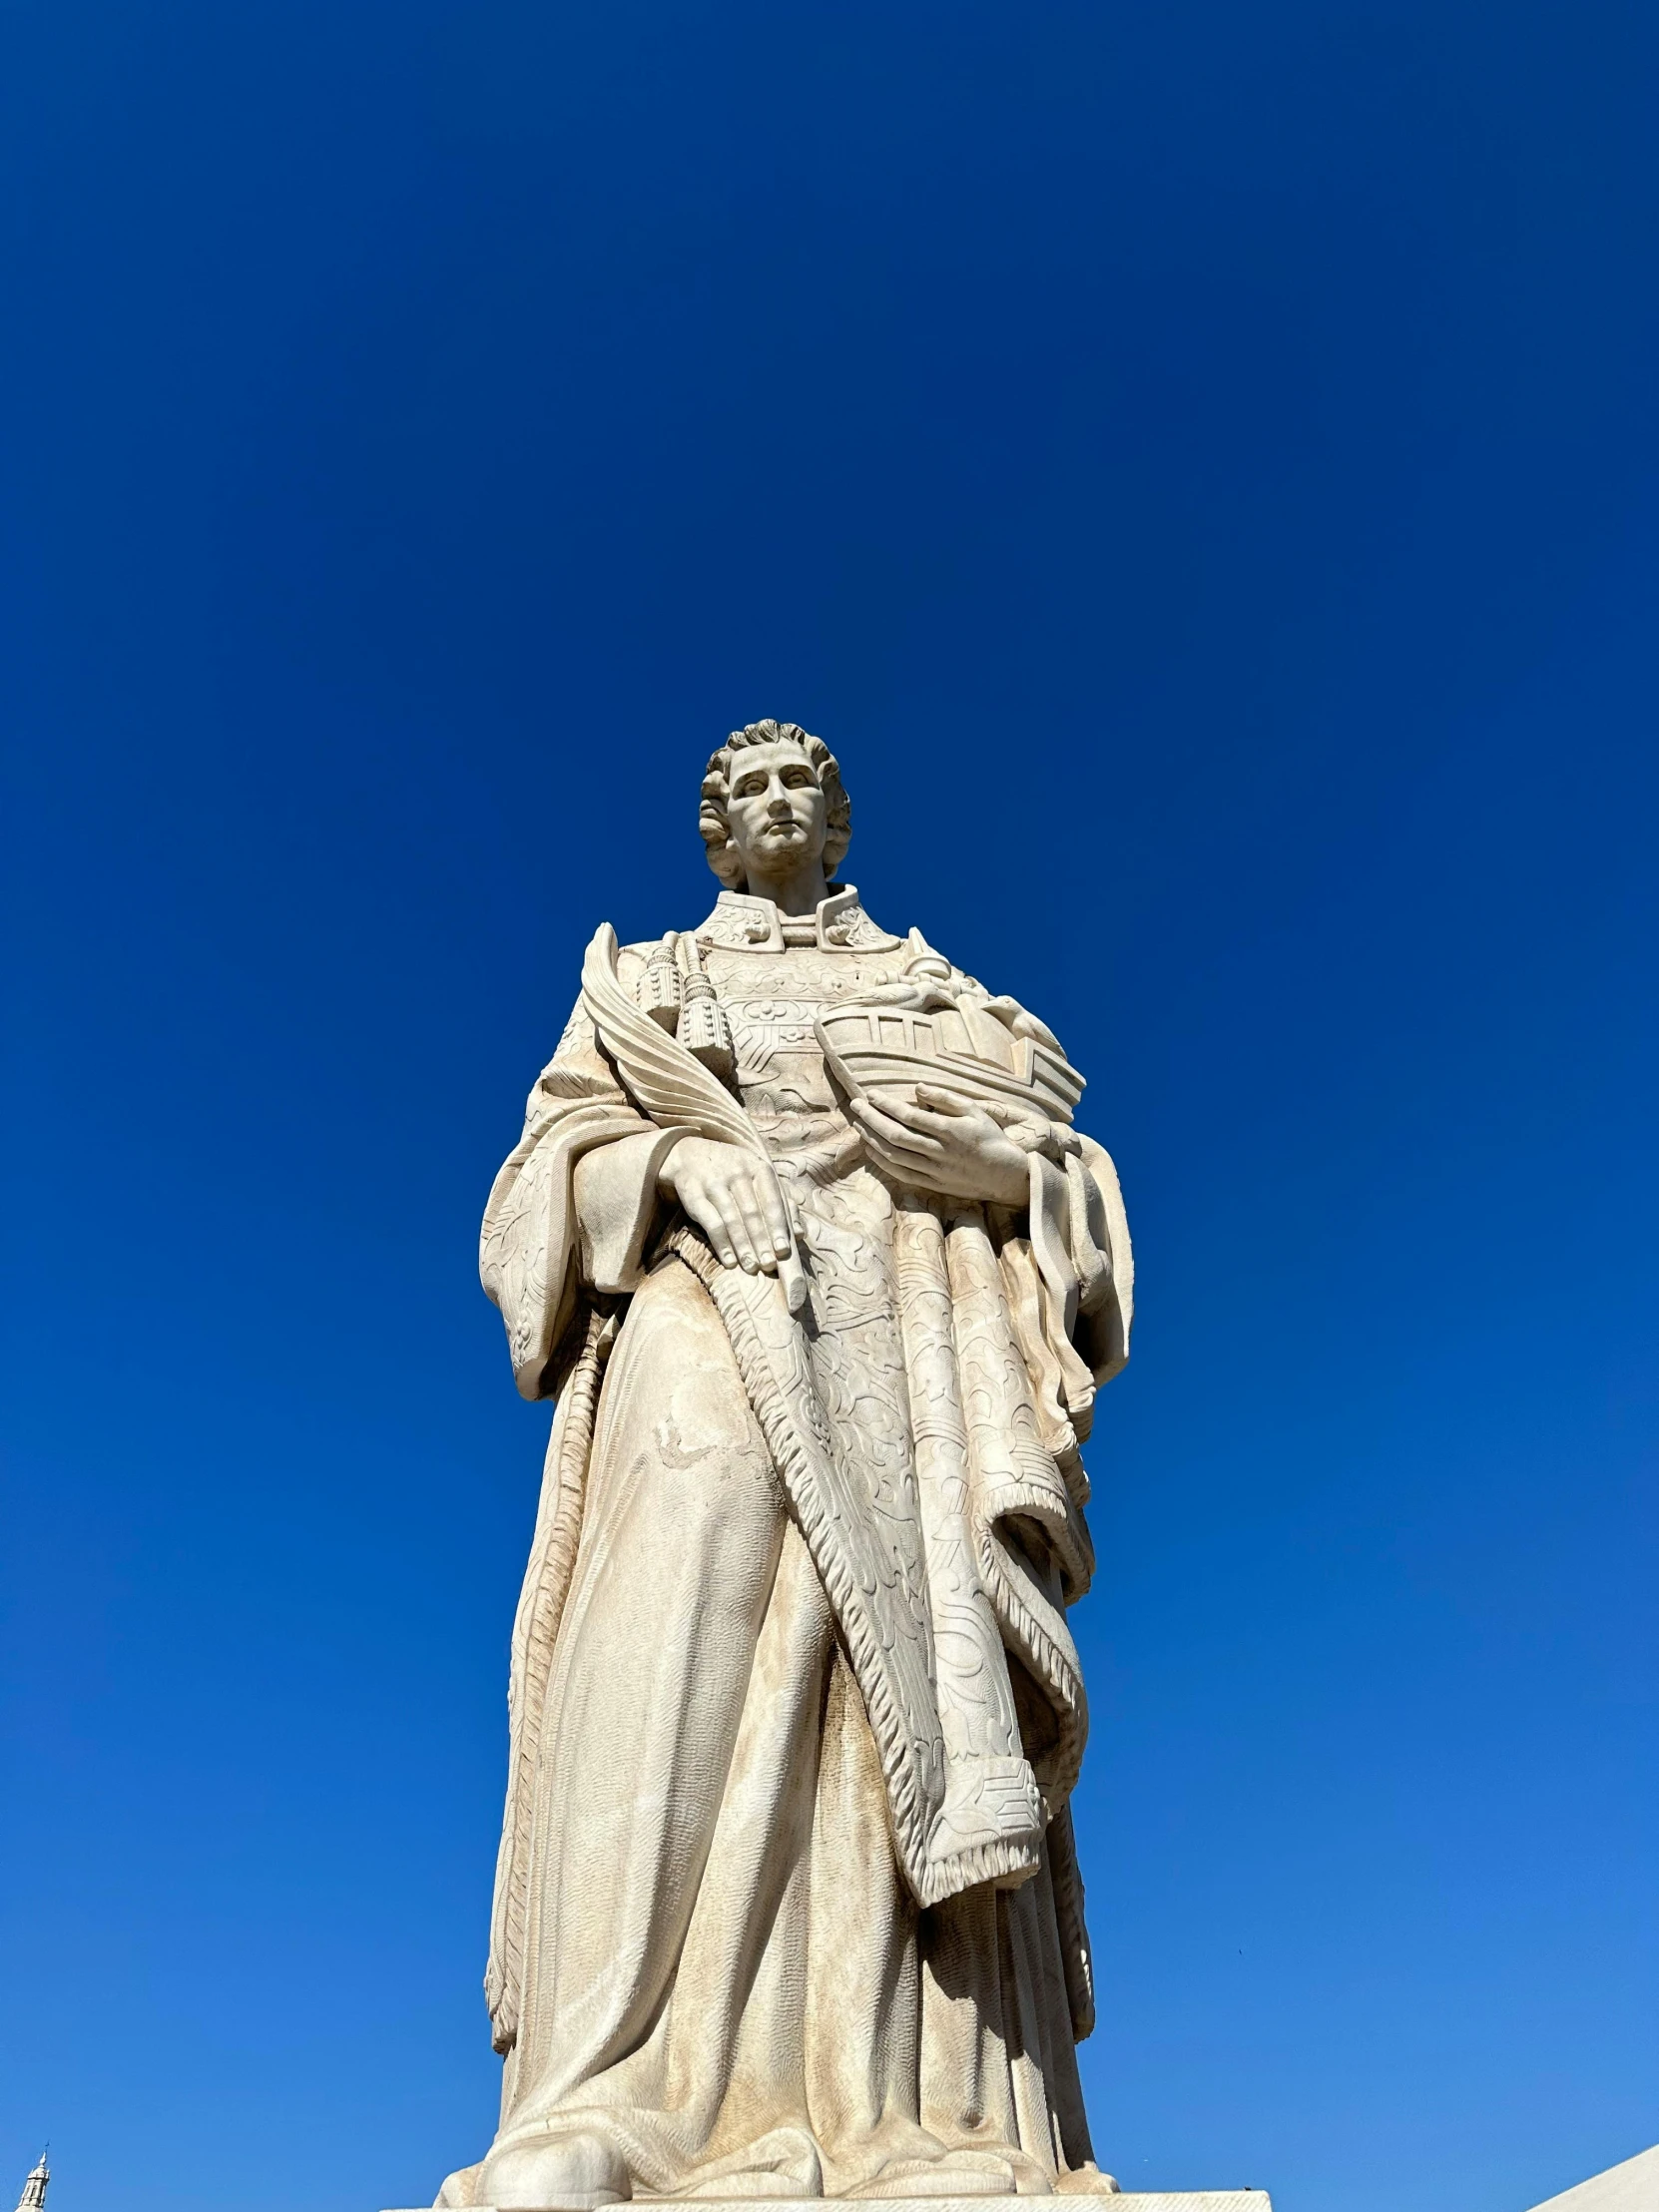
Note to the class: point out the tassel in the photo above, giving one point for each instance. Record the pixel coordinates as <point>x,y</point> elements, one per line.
<point>660,985</point>
<point>703,1028</point>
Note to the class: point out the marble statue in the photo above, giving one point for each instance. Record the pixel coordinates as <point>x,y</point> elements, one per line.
<point>801,1238</point>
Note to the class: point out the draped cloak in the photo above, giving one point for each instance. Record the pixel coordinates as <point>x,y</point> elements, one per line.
<point>788,1902</point>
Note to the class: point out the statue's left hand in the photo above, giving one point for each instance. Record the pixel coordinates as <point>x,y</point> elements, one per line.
<point>943,1144</point>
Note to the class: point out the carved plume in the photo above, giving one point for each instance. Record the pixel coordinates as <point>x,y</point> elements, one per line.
<point>665,1080</point>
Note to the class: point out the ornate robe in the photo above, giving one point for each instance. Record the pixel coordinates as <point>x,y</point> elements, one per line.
<point>788,1902</point>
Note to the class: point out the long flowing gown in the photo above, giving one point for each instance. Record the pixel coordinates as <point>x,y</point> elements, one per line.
<point>788,1902</point>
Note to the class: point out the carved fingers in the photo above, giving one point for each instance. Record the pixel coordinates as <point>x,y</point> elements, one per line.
<point>893,1129</point>
<point>941,1143</point>
<point>732,1197</point>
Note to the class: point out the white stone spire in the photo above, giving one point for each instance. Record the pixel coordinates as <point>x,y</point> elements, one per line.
<point>33,2190</point>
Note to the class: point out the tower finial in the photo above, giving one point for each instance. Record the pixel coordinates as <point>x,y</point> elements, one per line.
<point>33,2198</point>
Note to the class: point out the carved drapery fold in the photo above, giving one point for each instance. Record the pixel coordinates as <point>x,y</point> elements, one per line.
<point>989,1787</point>
<point>535,1631</point>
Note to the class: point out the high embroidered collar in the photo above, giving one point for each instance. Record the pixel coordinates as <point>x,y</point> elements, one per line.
<point>839,924</point>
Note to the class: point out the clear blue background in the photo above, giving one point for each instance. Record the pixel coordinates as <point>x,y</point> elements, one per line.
<point>1199,465</point>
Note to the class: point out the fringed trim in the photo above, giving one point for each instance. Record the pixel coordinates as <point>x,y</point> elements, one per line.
<point>535,1629</point>
<point>1003,1862</point>
<point>905,1727</point>
<point>907,1798</point>
<point>1036,1633</point>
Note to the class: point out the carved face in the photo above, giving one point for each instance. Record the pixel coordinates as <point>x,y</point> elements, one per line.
<point>775,812</point>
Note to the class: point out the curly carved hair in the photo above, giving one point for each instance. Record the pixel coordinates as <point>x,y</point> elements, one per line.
<point>717,783</point>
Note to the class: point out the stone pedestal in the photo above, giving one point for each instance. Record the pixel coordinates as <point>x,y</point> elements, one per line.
<point>1203,2200</point>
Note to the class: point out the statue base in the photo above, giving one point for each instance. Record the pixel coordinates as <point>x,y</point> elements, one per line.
<point>1128,2200</point>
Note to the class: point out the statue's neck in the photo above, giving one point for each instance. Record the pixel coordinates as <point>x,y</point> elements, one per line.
<point>803,893</point>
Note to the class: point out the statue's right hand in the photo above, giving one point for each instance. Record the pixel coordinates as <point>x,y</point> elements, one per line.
<point>732,1197</point>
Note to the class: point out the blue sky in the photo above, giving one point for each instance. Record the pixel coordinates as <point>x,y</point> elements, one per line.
<point>1198,467</point>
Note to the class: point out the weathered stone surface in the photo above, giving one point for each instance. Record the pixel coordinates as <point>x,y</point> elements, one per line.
<point>1205,2200</point>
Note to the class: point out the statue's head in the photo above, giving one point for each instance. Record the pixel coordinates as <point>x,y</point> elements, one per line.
<point>773,804</point>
